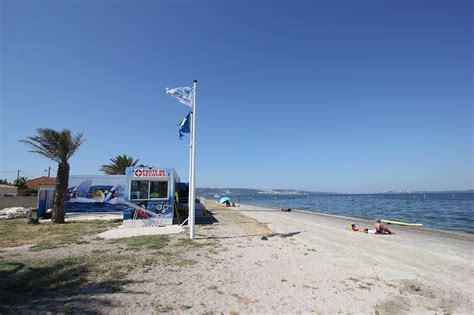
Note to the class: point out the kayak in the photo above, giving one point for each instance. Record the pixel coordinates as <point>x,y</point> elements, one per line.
<point>401,223</point>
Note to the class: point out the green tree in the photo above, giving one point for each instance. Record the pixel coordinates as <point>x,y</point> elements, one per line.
<point>58,146</point>
<point>119,164</point>
<point>20,182</point>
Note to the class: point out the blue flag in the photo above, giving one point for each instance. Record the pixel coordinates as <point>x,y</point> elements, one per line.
<point>184,126</point>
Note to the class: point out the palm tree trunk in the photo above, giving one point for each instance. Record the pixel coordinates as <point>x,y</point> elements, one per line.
<point>60,194</point>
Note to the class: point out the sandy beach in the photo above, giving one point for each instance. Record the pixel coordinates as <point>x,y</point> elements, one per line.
<point>254,260</point>
<point>415,271</point>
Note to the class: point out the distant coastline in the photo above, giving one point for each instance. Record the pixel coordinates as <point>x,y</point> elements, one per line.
<point>251,191</point>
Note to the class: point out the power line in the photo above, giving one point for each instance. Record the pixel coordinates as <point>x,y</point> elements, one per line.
<point>27,175</point>
<point>14,175</point>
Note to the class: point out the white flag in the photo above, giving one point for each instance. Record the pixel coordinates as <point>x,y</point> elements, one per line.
<point>183,94</point>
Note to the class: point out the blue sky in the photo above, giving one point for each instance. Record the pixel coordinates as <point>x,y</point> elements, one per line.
<point>344,96</point>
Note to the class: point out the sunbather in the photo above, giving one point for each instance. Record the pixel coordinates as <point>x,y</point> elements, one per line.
<point>381,229</point>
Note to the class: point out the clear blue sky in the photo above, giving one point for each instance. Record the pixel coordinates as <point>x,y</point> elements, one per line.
<point>345,96</point>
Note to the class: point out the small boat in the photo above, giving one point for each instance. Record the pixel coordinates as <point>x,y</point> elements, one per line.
<point>401,223</point>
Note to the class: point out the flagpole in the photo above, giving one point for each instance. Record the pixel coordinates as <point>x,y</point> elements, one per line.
<point>190,171</point>
<point>192,187</point>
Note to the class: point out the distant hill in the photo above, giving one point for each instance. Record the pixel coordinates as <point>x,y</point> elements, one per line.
<point>426,191</point>
<point>247,191</point>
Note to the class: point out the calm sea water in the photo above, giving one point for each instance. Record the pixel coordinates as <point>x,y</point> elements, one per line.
<point>445,211</point>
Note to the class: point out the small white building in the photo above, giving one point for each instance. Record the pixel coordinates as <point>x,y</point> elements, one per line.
<point>8,191</point>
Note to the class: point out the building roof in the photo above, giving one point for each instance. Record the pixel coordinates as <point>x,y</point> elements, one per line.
<point>40,181</point>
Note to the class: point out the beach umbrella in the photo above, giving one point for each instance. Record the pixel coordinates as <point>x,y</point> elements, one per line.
<point>224,199</point>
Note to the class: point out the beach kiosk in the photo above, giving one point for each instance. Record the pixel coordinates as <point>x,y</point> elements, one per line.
<point>151,189</point>
<point>145,195</point>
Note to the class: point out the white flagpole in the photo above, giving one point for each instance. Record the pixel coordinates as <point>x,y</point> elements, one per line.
<point>190,171</point>
<point>192,181</point>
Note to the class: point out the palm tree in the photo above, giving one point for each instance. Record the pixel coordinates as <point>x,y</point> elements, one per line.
<point>58,146</point>
<point>20,182</point>
<point>119,164</point>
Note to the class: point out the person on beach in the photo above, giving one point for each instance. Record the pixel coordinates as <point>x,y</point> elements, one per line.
<point>381,229</point>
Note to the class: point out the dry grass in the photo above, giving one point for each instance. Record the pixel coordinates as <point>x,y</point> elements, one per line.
<point>37,277</point>
<point>155,242</point>
<point>17,232</point>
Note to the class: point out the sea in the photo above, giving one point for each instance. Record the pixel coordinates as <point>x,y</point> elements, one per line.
<point>443,211</point>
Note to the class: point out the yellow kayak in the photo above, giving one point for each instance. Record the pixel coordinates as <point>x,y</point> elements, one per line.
<point>401,223</point>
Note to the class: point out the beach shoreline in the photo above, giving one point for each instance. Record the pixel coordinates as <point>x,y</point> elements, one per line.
<point>466,240</point>
<point>368,222</point>
<point>432,260</point>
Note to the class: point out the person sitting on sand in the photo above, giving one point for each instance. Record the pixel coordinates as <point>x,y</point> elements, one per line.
<point>381,229</point>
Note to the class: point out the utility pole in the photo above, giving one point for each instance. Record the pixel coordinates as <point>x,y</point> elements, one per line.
<point>17,176</point>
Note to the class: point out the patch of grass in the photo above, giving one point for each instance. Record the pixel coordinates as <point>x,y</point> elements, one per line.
<point>143,242</point>
<point>99,251</point>
<point>40,276</point>
<point>17,232</point>
<point>190,243</point>
<point>185,262</point>
<point>164,308</point>
<point>40,247</point>
<point>82,242</point>
<point>186,242</point>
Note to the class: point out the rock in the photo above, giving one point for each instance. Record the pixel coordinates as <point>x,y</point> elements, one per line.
<point>16,212</point>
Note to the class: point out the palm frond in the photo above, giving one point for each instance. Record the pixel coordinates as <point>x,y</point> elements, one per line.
<point>55,145</point>
<point>118,165</point>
